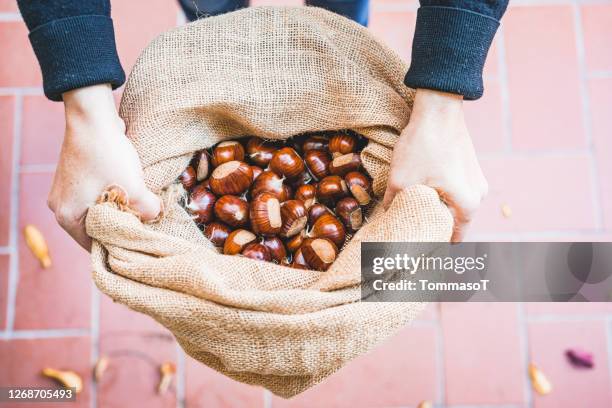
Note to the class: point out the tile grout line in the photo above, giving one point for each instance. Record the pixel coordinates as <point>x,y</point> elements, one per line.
<point>95,340</point>
<point>43,334</point>
<point>524,344</point>
<point>439,359</point>
<point>504,89</point>
<point>13,279</point>
<point>609,345</point>
<point>180,376</point>
<point>586,116</point>
<point>267,398</point>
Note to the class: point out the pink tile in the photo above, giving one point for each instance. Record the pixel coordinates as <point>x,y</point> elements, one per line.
<point>401,371</point>
<point>42,130</point>
<point>204,387</point>
<point>58,297</point>
<point>431,312</point>
<point>277,2</point>
<point>395,29</point>
<point>484,119</point>
<point>600,92</point>
<point>132,376</point>
<point>116,318</point>
<point>23,361</point>
<point>543,193</point>
<point>7,108</point>
<point>597,35</point>
<point>15,47</point>
<point>131,31</point>
<point>595,309</point>
<point>543,78</point>
<point>482,353</point>
<point>491,67</point>
<point>8,6</point>
<point>4,275</point>
<point>572,387</point>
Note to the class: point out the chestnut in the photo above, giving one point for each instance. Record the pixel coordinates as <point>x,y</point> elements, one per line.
<point>315,211</point>
<point>276,248</point>
<point>301,180</point>
<point>294,217</point>
<point>203,165</point>
<point>295,242</point>
<point>256,251</point>
<point>331,189</point>
<point>217,233</point>
<point>226,152</point>
<point>265,213</point>
<point>256,172</point>
<point>298,261</point>
<point>360,187</point>
<point>206,184</point>
<point>317,162</point>
<point>201,204</point>
<point>237,240</point>
<point>306,194</point>
<point>269,182</point>
<point>287,193</point>
<point>259,151</point>
<point>349,212</point>
<point>287,163</point>
<point>315,142</point>
<point>328,226</point>
<point>188,178</point>
<point>345,164</point>
<point>232,210</point>
<point>233,177</point>
<point>342,143</point>
<point>319,253</point>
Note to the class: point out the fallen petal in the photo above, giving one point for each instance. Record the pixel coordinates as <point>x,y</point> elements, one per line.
<point>539,381</point>
<point>580,358</point>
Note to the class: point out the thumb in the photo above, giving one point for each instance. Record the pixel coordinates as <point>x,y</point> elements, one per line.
<point>147,204</point>
<point>388,197</point>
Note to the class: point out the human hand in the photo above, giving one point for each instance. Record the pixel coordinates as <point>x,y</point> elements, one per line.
<point>95,154</point>
<point>435,149</point>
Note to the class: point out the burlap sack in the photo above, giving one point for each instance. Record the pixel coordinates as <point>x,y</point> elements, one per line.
<point>270,72</point>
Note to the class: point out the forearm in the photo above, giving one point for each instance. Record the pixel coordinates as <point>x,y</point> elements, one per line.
<point>74,43</point>
<point>451,43</point>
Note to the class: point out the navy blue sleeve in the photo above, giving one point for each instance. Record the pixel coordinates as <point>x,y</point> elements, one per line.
<point>451,42</point>
<point>74,42</point>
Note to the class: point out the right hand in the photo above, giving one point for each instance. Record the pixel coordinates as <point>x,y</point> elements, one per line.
<point>95,154</point>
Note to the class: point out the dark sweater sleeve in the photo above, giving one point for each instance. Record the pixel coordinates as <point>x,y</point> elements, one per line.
<point>451,42</point>
<point>74,42</point>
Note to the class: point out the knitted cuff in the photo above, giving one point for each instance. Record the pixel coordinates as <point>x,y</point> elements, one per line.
<point>75,52</point>
<point>449,50</point>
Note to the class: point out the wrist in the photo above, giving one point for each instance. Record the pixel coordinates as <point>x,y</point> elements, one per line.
<point>433,104</point>
<point>91,106</point>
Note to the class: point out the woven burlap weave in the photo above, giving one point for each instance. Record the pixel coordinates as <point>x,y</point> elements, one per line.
<point>270,72</point>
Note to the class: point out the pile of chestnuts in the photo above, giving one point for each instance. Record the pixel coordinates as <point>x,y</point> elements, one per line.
<point>291,202</point>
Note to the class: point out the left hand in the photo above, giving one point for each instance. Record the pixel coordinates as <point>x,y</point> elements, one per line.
<point>435,149</point>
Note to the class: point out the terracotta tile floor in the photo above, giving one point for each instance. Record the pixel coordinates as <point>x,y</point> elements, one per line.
<point>544,135</point>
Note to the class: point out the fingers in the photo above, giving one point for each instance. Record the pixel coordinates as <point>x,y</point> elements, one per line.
<point>147,204</point>
<point>462,212</point>
<point>73,223</point>
<point>388,197</point>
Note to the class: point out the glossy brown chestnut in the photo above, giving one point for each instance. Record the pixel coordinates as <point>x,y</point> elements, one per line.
<point>317,162</point>
<point>315,142</point>
<point>294,217</point>
<point>295,242</point>
<point>349,212</point>
<point>345,164</point>
<point>203,169</point>
<point>331,189</point>
<point>232,210</point>
<point>276,248</point>
<point>360,187</point>
<point>217,233</point>
<point>233,177</point>
<point>328,226</point>
<point>259,151</point>
<point>342,143</point>
<point>298,260</point>
<point>287,163</point>
<point>319,253</point>
<point>206,184</point>
<point>201,204</point>
<point>265,213</point>
<point>256,172</point>
<point>269,182</point>
<point>188,178</point>
<point>237,240</point>
<point>256,251</point>
<point>226,152</point>
<point>306,194</point>
<point>315,211</point>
